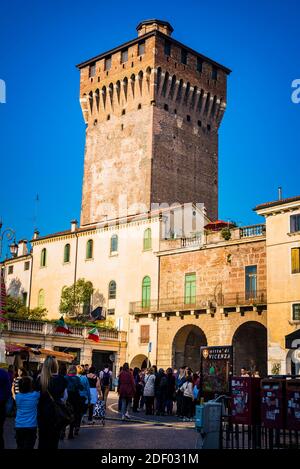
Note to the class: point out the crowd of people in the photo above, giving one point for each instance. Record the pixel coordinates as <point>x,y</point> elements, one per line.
<point>158,391</point>
<point>36,400</point>
<point>33,397</point>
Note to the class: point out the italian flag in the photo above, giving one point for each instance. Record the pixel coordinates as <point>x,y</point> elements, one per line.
<point>94,334</point>
<point>62,327</point>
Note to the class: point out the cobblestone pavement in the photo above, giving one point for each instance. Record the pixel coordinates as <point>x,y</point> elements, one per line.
<point>145,432</point>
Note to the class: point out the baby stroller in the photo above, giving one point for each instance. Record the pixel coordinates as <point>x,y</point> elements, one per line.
<point>99,411</point>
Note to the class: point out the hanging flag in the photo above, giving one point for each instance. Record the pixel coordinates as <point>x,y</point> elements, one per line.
<point>62,327</point>
<point>2,297</point>
<point>94,334</point>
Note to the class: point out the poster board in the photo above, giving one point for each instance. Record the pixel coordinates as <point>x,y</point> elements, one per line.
<point>216,369</point>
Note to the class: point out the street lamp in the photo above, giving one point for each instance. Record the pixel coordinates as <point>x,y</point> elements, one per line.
<point>8,234</point>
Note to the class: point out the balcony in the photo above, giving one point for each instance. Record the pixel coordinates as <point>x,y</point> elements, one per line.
<point>234,299</point>
<point>202,304</point>
<point>197,303</point>
<point>194,241</point>
<point>48,329</point>
<point>253,230</point>
<point>139,307</point>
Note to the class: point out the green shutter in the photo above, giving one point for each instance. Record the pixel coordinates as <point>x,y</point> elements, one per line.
<point>146,292</point>
<point>147,239</point>
<point>190,289</point>
<point>43,257</point>
<point>114,243</point>
<point>67,253</point>
<point>89,249</point>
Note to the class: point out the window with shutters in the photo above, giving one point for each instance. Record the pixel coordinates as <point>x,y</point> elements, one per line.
<point>190,289</point>
<point>295,260</point>
<point>112,290</point>
<point>146,292</point>
<point>67,250</point>
<point>296,312</point>
<point>114,244</point>
<point>147,239</point>
<point>141,48</point>
<point>89,249</point>
<point>294,223</point>
<point>124,56</point>
<point>27,265</point>
<point>251,281</point>
<point>41,299</point>
<point>145,334</point>
<point>43,257</point>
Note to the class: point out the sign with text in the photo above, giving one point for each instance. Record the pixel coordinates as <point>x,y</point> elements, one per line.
<point>216,366</point>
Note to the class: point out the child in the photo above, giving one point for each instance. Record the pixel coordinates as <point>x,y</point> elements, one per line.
<point>26,418</point>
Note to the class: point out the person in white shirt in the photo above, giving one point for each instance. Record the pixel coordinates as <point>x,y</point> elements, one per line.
<point>187,389</point>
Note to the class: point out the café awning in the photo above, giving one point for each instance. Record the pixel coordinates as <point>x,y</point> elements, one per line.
<point>17,348</point>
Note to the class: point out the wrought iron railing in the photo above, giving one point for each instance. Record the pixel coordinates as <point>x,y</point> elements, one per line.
<point>258,297</point>
<point>143,307</point>
<point>198,302</point>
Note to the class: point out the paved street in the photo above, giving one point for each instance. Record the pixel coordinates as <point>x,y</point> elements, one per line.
<point>151,433</point>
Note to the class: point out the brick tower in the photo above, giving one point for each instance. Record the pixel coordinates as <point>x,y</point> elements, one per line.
<point>152,107</point>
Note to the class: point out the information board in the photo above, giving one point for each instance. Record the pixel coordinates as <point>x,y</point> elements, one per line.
<point>216,366</point>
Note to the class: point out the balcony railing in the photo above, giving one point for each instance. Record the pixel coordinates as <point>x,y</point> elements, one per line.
<point>258,297</point>
<point>140,307</point>
<point>190,242</point>
<point>253,230</point>
<point>201,302</point>
<point>44,328</point>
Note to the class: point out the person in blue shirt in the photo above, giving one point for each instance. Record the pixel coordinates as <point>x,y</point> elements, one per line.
<point>26,419</point>
<point>5,394</point>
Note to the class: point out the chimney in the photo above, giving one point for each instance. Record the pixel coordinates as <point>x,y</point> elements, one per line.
<point>279,193</point>
<point>146,26</point>
<point>36,234</point>
<point>22,247</point>
<point>74,224</point>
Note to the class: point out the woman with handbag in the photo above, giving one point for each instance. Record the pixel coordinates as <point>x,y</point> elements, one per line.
<point>52,387</point>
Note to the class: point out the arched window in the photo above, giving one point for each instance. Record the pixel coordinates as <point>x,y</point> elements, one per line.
<point>112,290</point>
<point>43,257</point>
<point>147,239</point>
<point>67,251</point>
<point>146,292</point>
<point>114,243</point>
<point>41,299</point>
<point>89,249</point>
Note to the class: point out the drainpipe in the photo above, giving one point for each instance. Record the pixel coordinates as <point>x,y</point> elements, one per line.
<point>158,298</point>
<point>73,229</point>
<point>30,280</point>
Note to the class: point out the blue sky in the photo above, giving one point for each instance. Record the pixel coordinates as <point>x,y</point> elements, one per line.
<point>41,126</point>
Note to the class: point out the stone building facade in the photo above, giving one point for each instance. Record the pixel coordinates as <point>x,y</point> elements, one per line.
<point>152,107</point>
<point>211,292</point>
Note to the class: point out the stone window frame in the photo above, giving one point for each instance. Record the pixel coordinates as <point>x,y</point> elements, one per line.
<point>297,321</point>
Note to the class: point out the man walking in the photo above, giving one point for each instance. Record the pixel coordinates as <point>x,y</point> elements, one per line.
<point>105,382</point>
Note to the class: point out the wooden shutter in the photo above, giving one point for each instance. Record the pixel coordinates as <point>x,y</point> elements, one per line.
<point>295,260</point>
<point>145,334</point>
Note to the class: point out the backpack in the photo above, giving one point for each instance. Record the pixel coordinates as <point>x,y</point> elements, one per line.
<point>106,378</point>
